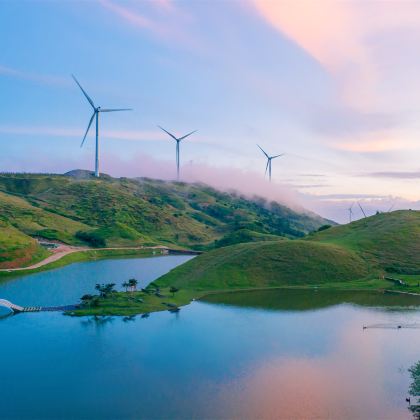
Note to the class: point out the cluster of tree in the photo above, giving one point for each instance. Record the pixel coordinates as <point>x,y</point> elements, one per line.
<point>130,284</point>
<point>105,289</point>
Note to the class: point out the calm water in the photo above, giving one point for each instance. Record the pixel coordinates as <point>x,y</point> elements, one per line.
<point>303,355</point>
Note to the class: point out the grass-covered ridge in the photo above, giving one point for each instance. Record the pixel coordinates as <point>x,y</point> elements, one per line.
<point>364,251</point>
<point>390,241</point>
<point>79,209</point>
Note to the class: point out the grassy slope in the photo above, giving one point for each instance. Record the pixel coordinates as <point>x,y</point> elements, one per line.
<point>17,249</point>
<point>349,254</point>
<point>267,264</point>
<point>32,220</point>
<point>241,236</point>
<point>128,212</point>
<point>390,241</point>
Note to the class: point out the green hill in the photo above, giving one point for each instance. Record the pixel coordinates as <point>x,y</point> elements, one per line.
<point>79,209</point>
<point>363,249</point>
<point>267,264</point>
<point>390,241</point>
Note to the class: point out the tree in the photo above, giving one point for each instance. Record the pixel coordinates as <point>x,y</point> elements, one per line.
<point>86,299</point>
<point>126,285</point>
<point>133,284</point>
<point>105,289</point>
<point>173,290</point>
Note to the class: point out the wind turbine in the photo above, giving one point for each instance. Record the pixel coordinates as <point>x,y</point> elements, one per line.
<point>361,208</point>
<point>269,159</point>
<point>96,111</point>
<point>178,140</point>
<point>350,211</point>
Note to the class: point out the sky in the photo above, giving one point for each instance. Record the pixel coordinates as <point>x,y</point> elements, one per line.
<point>333,85</point>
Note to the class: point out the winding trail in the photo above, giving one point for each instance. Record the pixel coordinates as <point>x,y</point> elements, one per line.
<point>63,250</point>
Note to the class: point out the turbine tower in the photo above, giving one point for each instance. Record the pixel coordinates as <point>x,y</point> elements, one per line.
<point>269,159</point>
<point>95,115</point>
<point>178,140</point>
<point>350,211</point>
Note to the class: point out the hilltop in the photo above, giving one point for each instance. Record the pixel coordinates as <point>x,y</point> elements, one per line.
<point>360,251</point>
<point>79,209</point>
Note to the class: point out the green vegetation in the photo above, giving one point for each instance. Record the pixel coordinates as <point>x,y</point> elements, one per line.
<point>245,235</point>
<point>79,209</point>
<point>129,303</point>
<point>18,249</point>
<point>360,255</point>
<point>343,258</point>
<point>267,264</point>
<point>389,241</point>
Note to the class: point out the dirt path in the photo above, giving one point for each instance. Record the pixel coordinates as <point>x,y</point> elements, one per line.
<point>63,250</point>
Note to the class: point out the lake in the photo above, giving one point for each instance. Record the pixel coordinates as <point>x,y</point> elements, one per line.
<point>277,354</point>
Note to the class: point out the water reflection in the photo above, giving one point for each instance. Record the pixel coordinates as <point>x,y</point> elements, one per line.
<point>305,300</point>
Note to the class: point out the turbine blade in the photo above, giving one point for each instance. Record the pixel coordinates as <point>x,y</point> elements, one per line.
<point>115,109</point>
<point>361,208</point>
<point>84,93</point>
<point>167,132</point>
<point>266,167</point>
<point>87,130</point>
<point>273,157</point>
<point>186,135</point>
<point>263,150</point>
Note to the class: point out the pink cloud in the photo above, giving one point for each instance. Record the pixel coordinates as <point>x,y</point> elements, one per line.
<point>339,36</point>
<point>161,18</point>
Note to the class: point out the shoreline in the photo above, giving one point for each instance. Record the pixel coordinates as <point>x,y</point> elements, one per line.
<point>186,297</point>
<point>76,254</point>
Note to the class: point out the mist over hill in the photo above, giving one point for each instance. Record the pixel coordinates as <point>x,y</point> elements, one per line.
<point>79,209</point>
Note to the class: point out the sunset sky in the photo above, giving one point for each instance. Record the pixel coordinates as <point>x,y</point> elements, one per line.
<point>333,85</point>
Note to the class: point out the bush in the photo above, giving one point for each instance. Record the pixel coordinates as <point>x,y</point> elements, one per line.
<point>92,238</point>
<point>324,227</point>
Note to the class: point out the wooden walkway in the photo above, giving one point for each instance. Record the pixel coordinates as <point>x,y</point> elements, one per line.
<point>18,309</point>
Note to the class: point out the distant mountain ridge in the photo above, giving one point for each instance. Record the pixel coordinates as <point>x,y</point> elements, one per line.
<point>79,209</point>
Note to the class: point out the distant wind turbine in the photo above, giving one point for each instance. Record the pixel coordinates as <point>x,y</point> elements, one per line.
<point>361,208</point>
<point>393,205</point>
<point>96,111</point>
<point>178,140</point>
<point>269,159</point>
<point>350,209</point>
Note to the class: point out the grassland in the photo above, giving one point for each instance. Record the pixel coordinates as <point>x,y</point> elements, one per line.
<point>78,209</point>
